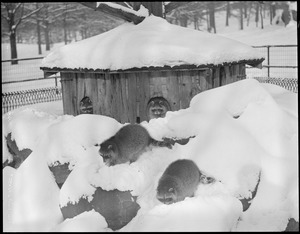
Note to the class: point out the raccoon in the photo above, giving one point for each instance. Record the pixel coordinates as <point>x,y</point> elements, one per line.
<point>127,145</point>
<point>157,107</point>
<point>180,180</point>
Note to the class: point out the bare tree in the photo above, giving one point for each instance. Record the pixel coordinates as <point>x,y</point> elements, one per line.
<point>245,8</point>
<point>14,14</point>
<point>261,15</point>
<point>38,29</point>
<point>241,16</point>
<point>257,14</point>
<point>249,13</point>
<point>227,13</point>
<point>211,13</point>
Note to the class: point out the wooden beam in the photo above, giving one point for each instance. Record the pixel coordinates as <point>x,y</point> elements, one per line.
<point>173,5</point>
<point>92,5</point>
<point>119,13</point>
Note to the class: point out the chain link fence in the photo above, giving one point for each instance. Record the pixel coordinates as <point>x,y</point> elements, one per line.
<point>281,62</point>
<point>24,83</point>
<point>290,84</point>
<point>13,100</point>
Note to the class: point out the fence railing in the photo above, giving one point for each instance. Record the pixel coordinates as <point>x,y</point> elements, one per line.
<point>268,65</point>
<point>25,75</point>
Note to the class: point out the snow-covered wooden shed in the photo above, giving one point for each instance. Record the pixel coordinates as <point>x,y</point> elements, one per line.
<point>118,73</point>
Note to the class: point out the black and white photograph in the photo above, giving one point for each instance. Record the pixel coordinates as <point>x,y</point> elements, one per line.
<point>150,116</point>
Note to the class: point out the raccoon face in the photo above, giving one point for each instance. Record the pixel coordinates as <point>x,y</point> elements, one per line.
<point>167,195</point>
<point>107,152</point>
<point>157,109</point>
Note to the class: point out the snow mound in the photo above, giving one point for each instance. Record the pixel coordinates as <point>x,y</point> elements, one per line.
<point>89,221</point>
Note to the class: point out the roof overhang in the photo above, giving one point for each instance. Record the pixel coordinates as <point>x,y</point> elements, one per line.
<point>50,71</point>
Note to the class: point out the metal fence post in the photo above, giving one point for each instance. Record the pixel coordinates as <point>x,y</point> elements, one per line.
<point>268,51</point>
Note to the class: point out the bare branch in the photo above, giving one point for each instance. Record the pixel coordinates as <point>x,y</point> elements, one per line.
<point>92,5</point>
<point>128,5</point>
<point>17,7</point>
<point>5,34</point>
<point>27,15</point>
<point>20,19</point>
<point>5,17</point>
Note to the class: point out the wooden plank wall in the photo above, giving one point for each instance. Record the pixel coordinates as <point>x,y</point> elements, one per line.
<point>228,74</point>
<point>124,96</point>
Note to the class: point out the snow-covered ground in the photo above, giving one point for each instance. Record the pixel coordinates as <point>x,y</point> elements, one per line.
<point>243,131</point>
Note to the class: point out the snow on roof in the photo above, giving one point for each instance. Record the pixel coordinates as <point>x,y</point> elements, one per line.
<point>153,42</point>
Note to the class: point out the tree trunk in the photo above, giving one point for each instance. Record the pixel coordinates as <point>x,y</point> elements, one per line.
<point>227,13</point>
<point>12,36</point>
<point>39,36</point>
<point>261,16</point>
<point>249,13</point>
<point>47,37</point>
<point>65,32</point>
<point>38,29</point>
<point>183,21</point>
<point>208,23</point>
<point>272,11</point>
<point>211,7</point>
<point>196,26</point>
<point>13,47</point>
<point>65,25</point>
<point>257,14</point>
<point>245,10</point>
<point>241,16</point>
<point>19,38</point>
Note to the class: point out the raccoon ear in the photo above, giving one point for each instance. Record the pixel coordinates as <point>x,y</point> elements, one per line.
<point>109,147</point>
<point>202,178</point>
<point>152,103</point>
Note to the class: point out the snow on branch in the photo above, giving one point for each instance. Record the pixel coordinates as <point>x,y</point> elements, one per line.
<point>142,12</point>
<point>123,12</point>
<point>120,11</point>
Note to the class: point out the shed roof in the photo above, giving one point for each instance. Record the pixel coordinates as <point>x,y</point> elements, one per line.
<point>152,43</point>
